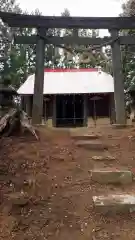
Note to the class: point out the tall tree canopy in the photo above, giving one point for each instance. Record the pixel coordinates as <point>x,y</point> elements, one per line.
<point>128,52</point>
<point>14,59</point>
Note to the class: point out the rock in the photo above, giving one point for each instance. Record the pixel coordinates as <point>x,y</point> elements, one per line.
<point>20,199</point>
<point>91,145</point>
<point>103,158</point>
<point>114,203</point>
<point>111,175</point>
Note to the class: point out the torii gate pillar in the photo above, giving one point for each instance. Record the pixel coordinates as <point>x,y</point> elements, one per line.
<point>37,110</point>
<point>119,97</point>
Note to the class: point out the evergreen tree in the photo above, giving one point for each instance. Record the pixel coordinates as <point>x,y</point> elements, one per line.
<point>128,52</point>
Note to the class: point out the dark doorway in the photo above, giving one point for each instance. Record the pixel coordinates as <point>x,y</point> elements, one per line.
<point>69,110</point>
<point>100,107</point>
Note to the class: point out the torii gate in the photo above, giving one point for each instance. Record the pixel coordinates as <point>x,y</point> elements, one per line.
<point>113,24</point>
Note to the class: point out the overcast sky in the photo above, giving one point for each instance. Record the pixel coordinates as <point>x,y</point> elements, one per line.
<point>90,8</point>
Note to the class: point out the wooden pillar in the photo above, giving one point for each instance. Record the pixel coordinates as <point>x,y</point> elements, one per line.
<point>39,81</point>
<point>118,80</point>
<point>45,116</point>
<point>54,111</point>
<point>22,102</point>
<point>28,105</point>
<point>85,113</point>
<point>112,109</point>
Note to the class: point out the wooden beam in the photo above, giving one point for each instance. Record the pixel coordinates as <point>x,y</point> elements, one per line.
<point>19,20</point>
<point>26,39</point>
<point>124,40</point>
<point>127,40</point>
<point>37,110</point>
<point>118,81</point>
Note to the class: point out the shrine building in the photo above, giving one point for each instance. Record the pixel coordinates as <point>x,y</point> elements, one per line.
<point>71,96</point>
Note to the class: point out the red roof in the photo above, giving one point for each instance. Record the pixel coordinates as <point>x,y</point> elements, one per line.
<point>71,70</point>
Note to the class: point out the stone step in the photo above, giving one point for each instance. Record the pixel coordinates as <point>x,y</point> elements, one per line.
<point>92,145</point>
<point>114,203</point>
<point>85,136</point>
<point>112,176</point>
<point>103,158</point>
<point>121,126</point>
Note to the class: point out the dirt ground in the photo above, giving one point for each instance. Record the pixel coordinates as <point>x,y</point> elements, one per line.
<point>46,189</point>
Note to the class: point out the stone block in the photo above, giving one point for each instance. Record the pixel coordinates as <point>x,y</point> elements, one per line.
<point>49,123</point>
<point>92,145</point>
<point>103,158</point>
<point>112,176</point>
<point>121,126</point>
<point>18,199</point>
<point>85,136</point>
<point>114,203</point>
